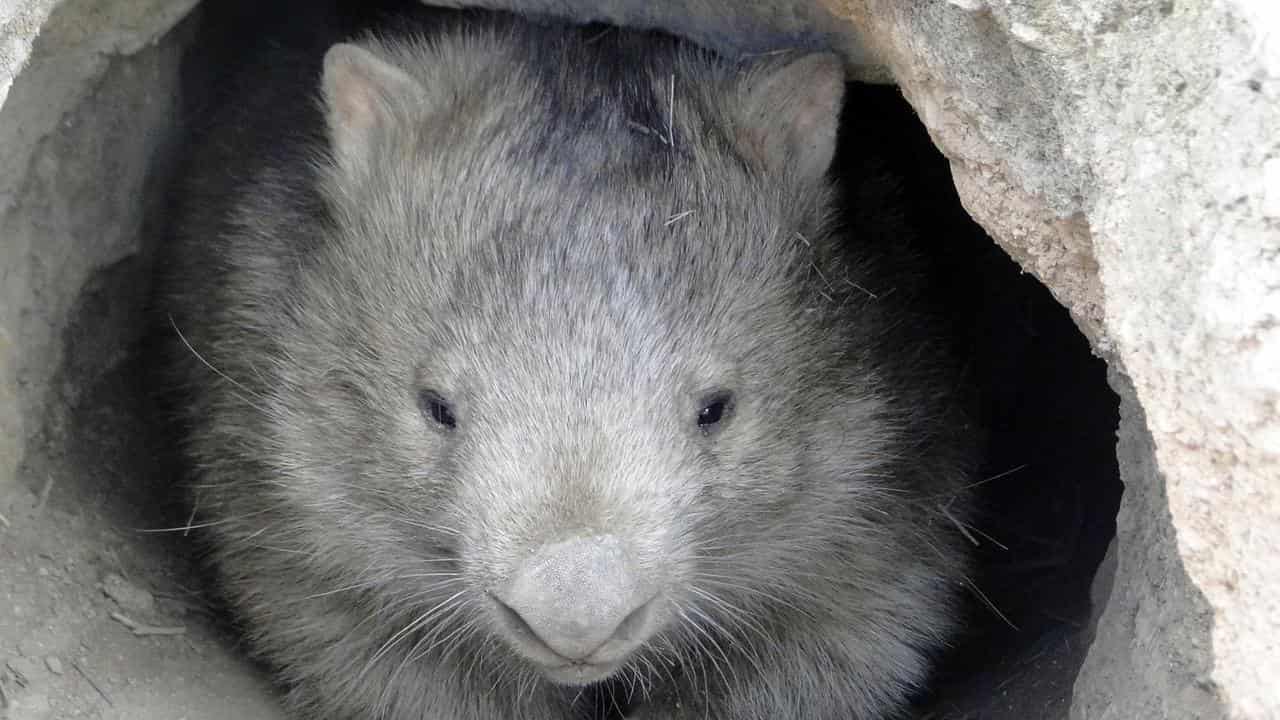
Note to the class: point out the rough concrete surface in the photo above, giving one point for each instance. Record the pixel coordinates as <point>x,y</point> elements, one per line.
<point>99,620</point>
<point>1127,152</point>
<point>19,25</point>
<point>81,137</point>
<point>64,214</point>
<point>1119,149</point>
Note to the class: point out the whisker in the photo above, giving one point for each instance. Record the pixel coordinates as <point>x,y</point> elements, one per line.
<point>213,523</point>
<point>987,601</point>
<point>417,623</point>
<point>221,374</point>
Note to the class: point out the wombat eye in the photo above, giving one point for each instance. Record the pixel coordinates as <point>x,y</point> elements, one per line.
<point>437,408</point>
<point>715,409</point>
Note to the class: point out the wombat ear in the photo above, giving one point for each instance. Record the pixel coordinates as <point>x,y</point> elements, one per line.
<point>789,114</point>
<point>365,97</point>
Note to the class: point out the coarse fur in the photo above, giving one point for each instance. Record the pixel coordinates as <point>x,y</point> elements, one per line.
<point>572,237</point>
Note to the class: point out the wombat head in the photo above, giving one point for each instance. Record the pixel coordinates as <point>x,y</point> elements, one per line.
<point>572,366</point>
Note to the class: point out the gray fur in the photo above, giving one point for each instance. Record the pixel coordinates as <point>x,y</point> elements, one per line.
<point>535,234</point>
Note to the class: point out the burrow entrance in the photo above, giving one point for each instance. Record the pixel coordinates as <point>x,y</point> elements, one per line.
<point>100,471</point>
<point>1049,487</point>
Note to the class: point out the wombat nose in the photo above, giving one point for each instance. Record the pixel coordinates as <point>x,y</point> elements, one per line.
<point>578,595</point>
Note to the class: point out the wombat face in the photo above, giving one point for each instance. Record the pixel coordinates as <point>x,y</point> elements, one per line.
<point>566,383</point>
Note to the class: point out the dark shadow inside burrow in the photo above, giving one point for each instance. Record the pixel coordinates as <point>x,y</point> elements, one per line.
<point>1049,484</point>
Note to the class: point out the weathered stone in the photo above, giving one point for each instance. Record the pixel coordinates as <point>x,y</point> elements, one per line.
<point>1118,149</point>
<point>128,595</point>
<point>74,154</point>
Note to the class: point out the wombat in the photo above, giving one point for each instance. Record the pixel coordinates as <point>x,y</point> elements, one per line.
<point>528,375</point>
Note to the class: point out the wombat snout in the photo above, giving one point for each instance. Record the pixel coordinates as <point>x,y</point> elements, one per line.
<point>578,607</point>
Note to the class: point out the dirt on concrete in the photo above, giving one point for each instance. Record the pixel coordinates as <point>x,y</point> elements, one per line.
<point>101,616</point>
